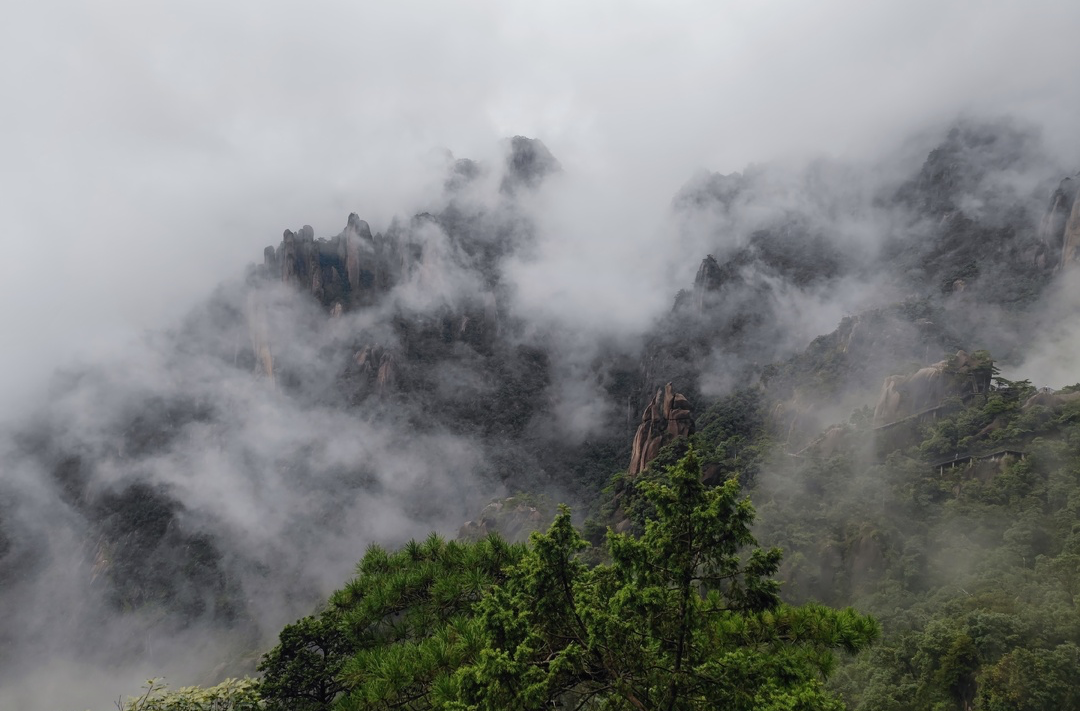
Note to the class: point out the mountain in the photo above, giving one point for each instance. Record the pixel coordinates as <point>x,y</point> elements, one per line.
<point>374,384</point>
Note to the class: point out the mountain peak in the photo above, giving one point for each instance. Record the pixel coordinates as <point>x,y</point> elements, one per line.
<point>528,162</point>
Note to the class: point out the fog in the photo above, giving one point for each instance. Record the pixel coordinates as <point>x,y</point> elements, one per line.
<point>150,153</point>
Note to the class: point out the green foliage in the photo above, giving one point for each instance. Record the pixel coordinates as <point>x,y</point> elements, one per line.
<point>393,634</point>
<point>229,695</point>
<point>684,617</point>
<point>731,442</point>
<point>973,569</point>
<point>302,672</point>
<point>1034,680</point>
<point>971,563</point>
<point>677,620</point>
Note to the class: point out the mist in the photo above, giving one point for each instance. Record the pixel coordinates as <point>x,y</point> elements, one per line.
<point>150,154</point>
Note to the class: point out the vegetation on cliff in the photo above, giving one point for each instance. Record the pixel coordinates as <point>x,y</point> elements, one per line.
<point>959,535</point>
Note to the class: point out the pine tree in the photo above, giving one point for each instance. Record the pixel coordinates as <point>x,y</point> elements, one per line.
<point>393,635</point>
<point>677,620</point>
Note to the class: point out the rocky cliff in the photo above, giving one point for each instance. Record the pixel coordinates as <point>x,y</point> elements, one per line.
<point>666,419</point>
<point>346,271</point>
<point>1061,226</point>
<point>907,395</point>
<point>408,335</point>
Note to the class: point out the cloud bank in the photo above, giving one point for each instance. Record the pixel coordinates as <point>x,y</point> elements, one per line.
<point>150,153</point>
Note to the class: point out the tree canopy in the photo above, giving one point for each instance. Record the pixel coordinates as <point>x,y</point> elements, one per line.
<point>687,616</point>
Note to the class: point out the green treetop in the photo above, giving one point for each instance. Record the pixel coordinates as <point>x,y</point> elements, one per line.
<point>681,618</point>
<point>677,620</point>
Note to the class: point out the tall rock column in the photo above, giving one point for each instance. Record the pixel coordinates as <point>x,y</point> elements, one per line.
<point>358,249</point>
<point>665,419</point>
<point>1060,228</point>
<point>1070,242</point>
<point>709,278</point>
<point>288,257</point>
<point>259,333</point>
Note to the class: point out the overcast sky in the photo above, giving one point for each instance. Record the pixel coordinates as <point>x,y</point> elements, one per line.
<point>150,149</point>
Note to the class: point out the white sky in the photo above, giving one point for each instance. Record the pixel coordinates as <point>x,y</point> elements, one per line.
<point>150,149</point>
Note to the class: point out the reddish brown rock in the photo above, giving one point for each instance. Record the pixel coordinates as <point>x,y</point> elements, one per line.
<point>666,419</point>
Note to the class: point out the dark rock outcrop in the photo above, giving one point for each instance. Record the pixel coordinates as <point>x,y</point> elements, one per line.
<point>959,167</point>
<point>350,269</point>
<point>529,161</point>
<point>709,279</point>
<point>666,419</point>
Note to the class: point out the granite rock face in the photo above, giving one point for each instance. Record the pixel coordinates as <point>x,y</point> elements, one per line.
<point>355,270</point>
<point>666,418</point>
<point>1064,222</point>
<point>906,395</point>
<point>351,269</point>
<point>1059,212</point>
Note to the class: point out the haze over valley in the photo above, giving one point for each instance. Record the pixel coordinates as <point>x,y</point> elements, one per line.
<point>282,284</point>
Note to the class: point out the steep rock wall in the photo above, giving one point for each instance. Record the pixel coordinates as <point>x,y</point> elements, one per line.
<point>665,419</point>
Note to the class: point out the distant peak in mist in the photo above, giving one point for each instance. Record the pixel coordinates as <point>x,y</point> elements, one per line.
<point>528,162</point>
